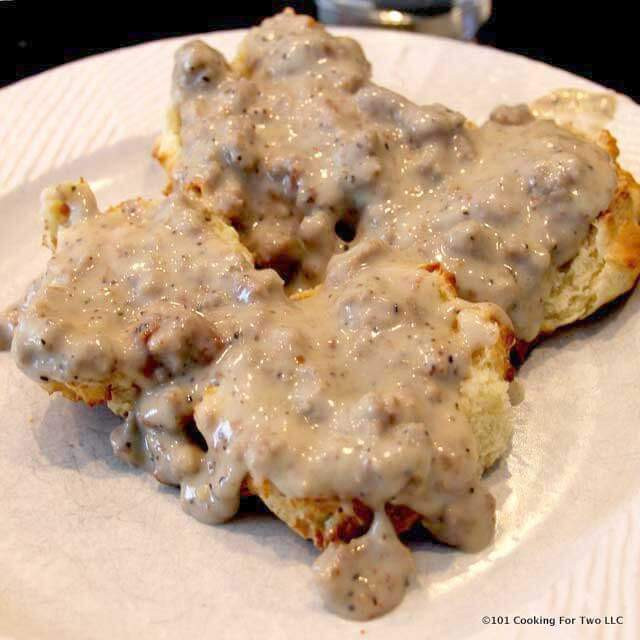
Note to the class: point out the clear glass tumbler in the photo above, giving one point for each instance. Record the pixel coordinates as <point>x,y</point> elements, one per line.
<point>459,19</point>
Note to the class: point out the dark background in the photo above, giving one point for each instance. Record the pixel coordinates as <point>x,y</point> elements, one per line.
<point>592,39</point>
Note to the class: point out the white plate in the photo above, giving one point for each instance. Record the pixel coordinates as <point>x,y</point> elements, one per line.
<point>91,549</point>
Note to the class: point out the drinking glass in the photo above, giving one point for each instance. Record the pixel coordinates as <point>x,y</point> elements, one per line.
<point>459,19</point>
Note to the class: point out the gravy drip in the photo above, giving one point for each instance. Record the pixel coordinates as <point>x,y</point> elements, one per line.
<point>368,576</point>
<point>8,322</point>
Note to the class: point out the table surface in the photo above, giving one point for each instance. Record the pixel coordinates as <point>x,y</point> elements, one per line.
<point>592,42</point>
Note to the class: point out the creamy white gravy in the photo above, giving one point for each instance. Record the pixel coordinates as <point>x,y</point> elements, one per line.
<point>351,392</point>
<point>296,147</point>
<point>134,292</point>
